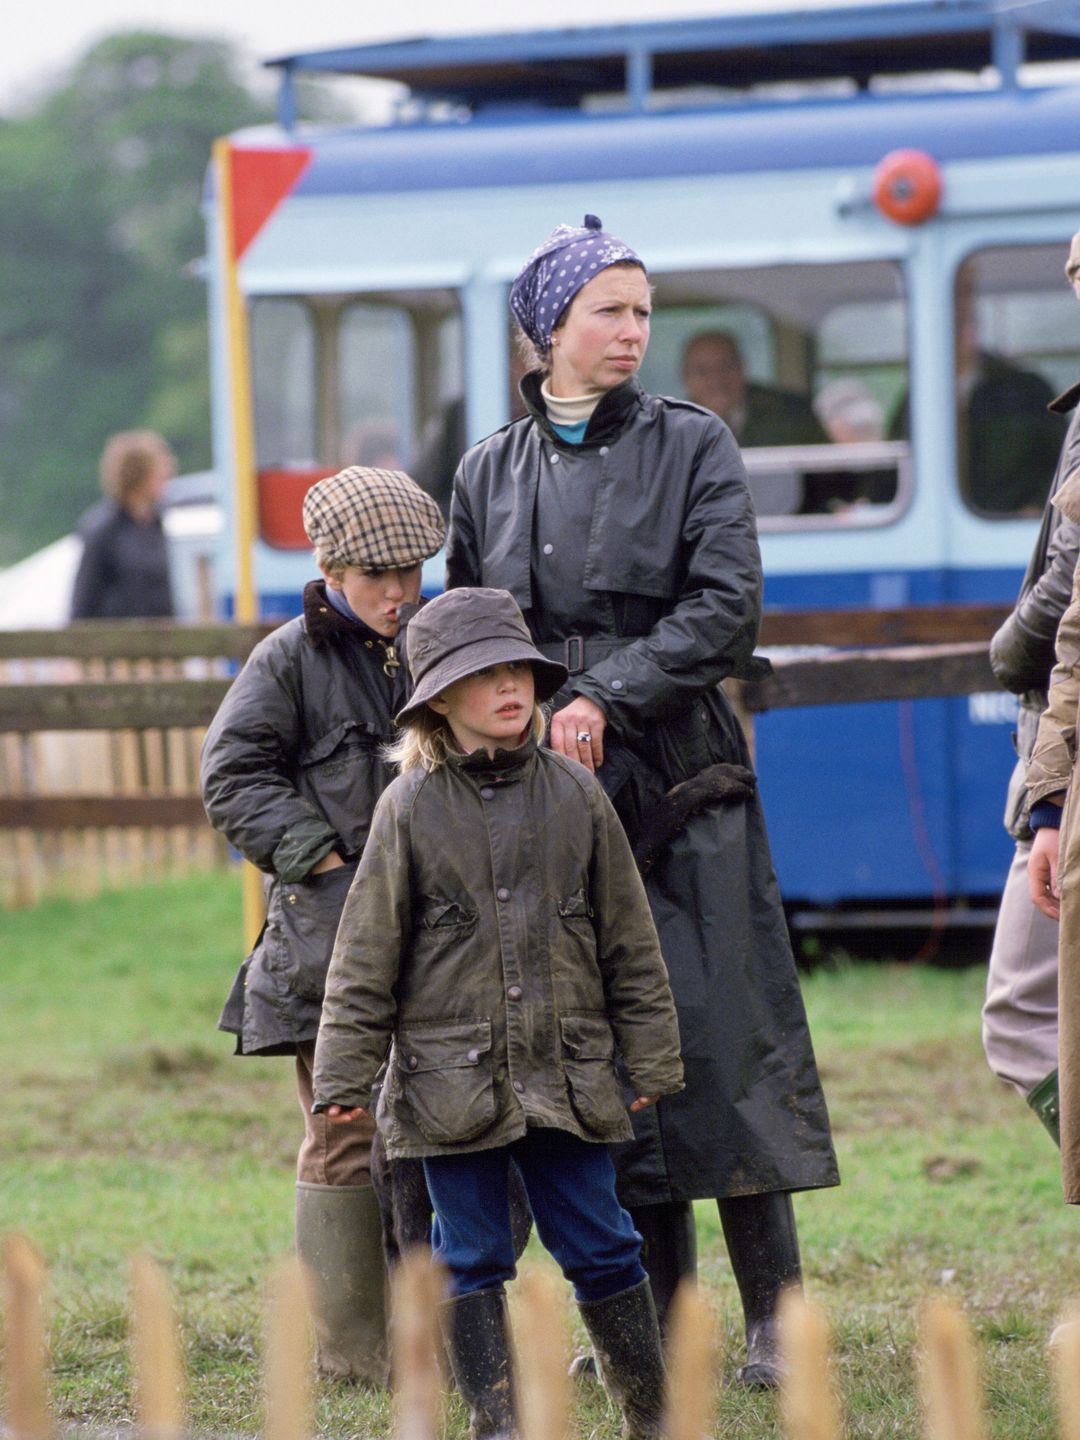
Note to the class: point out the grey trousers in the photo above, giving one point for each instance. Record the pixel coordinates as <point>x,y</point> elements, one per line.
<point>1020,1014</point>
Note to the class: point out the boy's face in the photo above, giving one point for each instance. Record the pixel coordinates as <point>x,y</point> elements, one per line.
<point>493,707</point>
<point>376,595</point>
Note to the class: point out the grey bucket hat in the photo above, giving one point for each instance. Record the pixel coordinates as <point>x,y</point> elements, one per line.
<point>462,631</point>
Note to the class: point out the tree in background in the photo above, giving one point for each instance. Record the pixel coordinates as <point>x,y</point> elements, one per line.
<point>102,325</point>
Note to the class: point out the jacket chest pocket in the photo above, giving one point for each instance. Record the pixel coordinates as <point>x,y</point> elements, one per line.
<point>444,1072</point>
<point>588,1053</point>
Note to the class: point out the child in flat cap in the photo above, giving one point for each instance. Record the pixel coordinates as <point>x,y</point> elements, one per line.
<point>498,933</point>
<point>292,768</point>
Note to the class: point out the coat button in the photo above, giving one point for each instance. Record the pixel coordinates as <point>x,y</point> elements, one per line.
<point>292,898</point>
<point>604,449</point>
<point>554,459</point>
<point>548,549</point>
<point>519,1087</point>
<point>616,684</point>
<point>514,993</point>
<point>486,793</point>
<point>412,1062</point>
<point>502,893</point>
<point>473,1057</point>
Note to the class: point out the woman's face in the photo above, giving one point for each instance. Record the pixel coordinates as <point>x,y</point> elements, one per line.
<point>606,333</point>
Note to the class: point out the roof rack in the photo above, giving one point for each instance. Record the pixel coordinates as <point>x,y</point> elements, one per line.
<point>561,68</point>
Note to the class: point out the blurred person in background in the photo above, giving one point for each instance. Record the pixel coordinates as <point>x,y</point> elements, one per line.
<point>714,376</point>
<point>124,570</point>
<point>850,411</point>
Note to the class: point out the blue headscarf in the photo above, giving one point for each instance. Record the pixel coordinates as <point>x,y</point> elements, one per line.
<point>569,258</point>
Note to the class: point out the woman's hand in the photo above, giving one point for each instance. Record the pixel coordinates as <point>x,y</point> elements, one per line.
<point>337,1115</point>
<point>1043,871</point>
<point>331,861</point>
<point>578,731</point>
<point>642,1103</point>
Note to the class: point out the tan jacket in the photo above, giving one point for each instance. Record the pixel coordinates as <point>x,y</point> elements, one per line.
<point>498,931</point>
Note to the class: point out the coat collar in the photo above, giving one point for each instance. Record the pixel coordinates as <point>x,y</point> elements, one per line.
<point>502,768</point>
<point>607,420</point>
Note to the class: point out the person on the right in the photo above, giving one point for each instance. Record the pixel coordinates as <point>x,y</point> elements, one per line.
<point>622,524</point>
<point>1051,780</point>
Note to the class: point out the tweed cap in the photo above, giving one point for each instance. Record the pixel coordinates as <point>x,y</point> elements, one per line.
<point>373,519</point>
<point>462,631</point>
<point>1072,264</point>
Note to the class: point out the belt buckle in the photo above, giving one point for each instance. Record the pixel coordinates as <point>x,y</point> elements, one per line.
<point>575,654</point>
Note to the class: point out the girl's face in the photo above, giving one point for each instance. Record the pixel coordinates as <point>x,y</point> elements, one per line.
<point>605,335</point>
<point>375,595</point>
<point>493,707</point>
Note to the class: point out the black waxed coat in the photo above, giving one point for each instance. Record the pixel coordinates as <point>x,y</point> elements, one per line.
<point>498,929</point>
<point>672,573</point>
<point>292,769</point>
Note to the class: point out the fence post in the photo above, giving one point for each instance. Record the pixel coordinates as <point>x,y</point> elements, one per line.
<point>419,1286</point>
<point>807,1400</point>
<point>691,1359</point>
<point>287,1355</point>
<point>950,1374</point>
<point>542,1357</point>
<point>24,1275</point>
<point>155,1344</point>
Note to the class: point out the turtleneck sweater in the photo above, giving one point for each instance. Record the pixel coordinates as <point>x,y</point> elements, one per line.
<point>569,417</point>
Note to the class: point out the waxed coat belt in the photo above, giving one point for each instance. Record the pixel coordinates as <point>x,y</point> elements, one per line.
<point>579,652</point>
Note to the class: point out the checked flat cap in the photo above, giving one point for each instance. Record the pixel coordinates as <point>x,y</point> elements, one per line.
<point>373,519</point>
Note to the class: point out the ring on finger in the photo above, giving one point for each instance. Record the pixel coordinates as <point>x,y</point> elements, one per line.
<point>584,737</point>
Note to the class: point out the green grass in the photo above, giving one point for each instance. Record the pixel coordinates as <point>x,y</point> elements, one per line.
<point>127,1124</point>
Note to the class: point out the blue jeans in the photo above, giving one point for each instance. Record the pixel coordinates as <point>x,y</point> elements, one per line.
<point>571,1188</point>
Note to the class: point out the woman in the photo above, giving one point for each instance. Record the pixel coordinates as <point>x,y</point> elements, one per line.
<point>622,525</point>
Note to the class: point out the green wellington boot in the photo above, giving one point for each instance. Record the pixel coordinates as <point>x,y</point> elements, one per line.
<point>339,1239</point>
<point>1043,1099</point>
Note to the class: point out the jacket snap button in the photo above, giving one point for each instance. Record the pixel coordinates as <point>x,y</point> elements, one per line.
<point>549,549</point>
<point>514,993</point>
<point>292,899</point>
<point>486,793</point>
<point>502,893</point>
<point>616,684</point>
<point>604,449</point>
<point>473,1057</point>
<point>412,1062</point>
<point>554,459</point>
<point>519,1086</point>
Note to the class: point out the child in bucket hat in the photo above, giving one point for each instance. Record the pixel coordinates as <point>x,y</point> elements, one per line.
<point>497,933</point>
<point>292,768</point>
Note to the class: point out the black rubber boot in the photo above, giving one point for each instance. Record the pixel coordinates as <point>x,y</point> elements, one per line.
<point>763,1247</point>
<point>475,1335</point>
<point>626,1341</point>
<point>1043,1099</point>
<point>668,1251</point>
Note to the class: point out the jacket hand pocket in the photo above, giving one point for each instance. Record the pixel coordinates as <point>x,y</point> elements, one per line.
<point>444,1072</point>
<point>301,926</point>
<point>588,1049</point>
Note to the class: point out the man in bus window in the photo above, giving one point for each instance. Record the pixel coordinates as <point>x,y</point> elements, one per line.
<point>714,376</point>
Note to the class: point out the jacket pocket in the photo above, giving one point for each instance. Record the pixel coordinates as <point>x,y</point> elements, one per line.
<point>444,1072</point>
<point>576,906</point>
<point>301,926</point>
<point>588,1048</point>
<point>435,912</point>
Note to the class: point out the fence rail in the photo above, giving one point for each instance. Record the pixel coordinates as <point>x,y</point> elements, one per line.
<point>100,723</point>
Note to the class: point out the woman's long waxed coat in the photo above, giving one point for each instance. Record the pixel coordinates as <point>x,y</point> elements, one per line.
<point>1052,770</point>
<point>670,573</point>
<point>498,929</point>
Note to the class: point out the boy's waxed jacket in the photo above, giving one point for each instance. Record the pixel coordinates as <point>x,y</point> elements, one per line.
<point>498,931</point>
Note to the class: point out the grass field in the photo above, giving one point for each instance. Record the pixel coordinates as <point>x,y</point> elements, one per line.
<point>128,1124</point>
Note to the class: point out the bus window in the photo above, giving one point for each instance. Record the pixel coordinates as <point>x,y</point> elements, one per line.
<point>803,363</point>
<point>283,382</point>
<point>1016,348</point>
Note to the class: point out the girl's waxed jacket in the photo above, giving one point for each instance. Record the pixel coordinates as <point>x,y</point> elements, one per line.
<point>497,930</point>
<point>291,769</point>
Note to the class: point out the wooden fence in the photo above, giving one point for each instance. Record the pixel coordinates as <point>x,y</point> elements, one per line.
<point>100,725</point>
<point>810,1408</point>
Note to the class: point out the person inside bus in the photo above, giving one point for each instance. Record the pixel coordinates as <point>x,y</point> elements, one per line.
<point>850,411</point>
<point>714,376</point>
<point>291,769</point>
<point>123,573</point>
<point>1006,441</point>
<point>621,522</point>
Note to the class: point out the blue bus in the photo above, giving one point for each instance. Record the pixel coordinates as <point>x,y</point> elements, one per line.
<point>866,210</point>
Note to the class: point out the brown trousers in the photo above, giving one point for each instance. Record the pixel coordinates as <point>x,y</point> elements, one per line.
<point>330,1154</point>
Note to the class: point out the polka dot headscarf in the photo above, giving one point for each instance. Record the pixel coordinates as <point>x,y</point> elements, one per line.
<point>569,258</point>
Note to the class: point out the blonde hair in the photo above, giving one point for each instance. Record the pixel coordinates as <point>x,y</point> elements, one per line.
<point>128,460</point>
<point>328,563</point>
<point>426,740</point>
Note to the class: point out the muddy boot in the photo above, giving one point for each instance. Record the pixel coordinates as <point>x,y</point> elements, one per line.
<point>1043,1099</point>
<point>764,1251</point>
<point>475,1335</point>
<point>339,1239</point>
<point>668,1251</point>
<point>626,1341</point>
